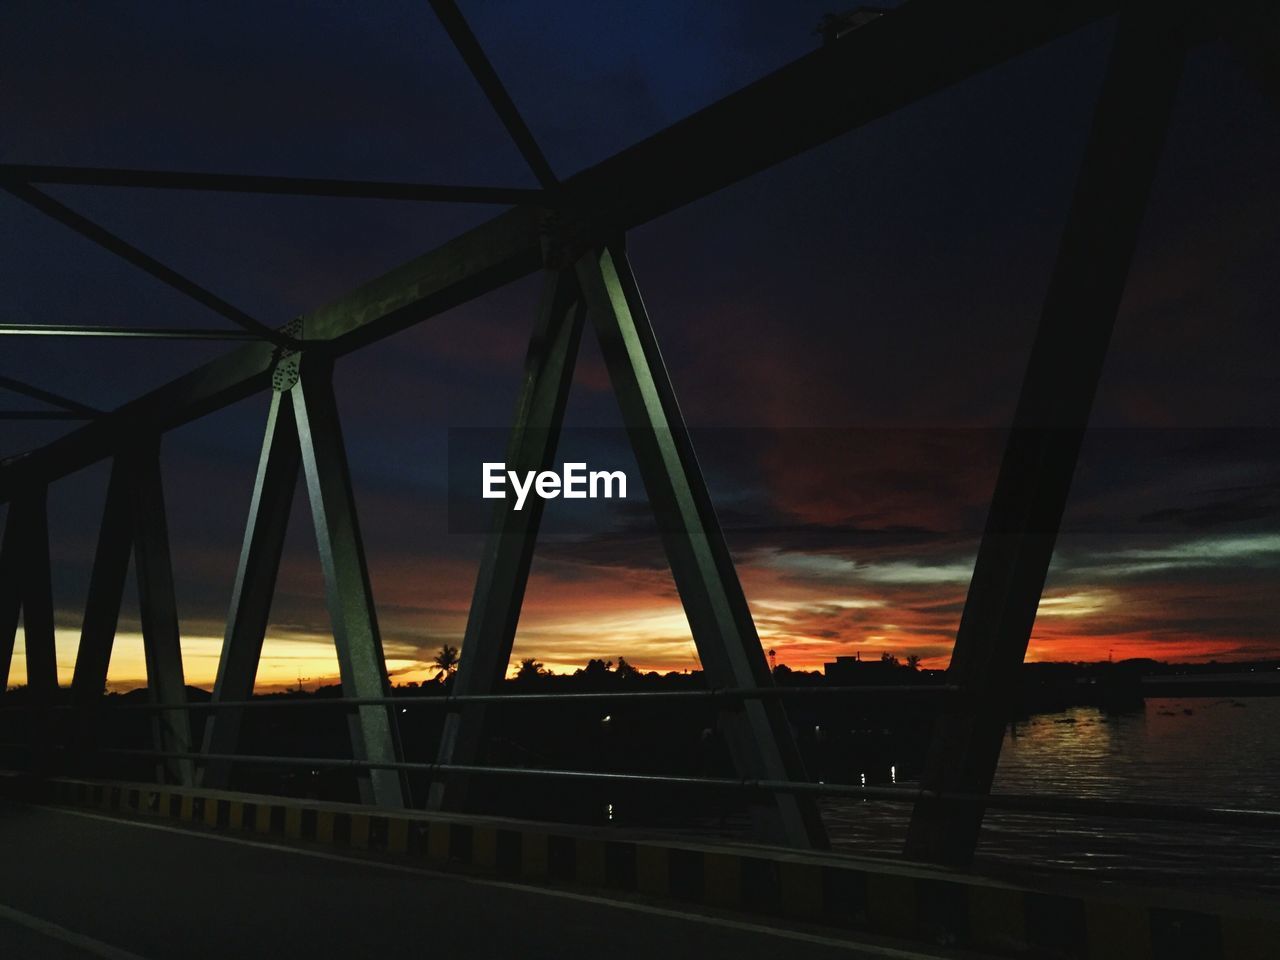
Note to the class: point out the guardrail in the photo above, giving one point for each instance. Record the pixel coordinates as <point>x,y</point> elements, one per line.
<point>1036,803</point>
<point>1030,802</point>
<point>447,700</point>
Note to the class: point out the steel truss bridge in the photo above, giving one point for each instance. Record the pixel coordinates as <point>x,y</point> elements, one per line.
<point>572,232</point>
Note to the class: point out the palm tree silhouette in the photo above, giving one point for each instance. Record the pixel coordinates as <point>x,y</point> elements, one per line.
<point>445,662</point>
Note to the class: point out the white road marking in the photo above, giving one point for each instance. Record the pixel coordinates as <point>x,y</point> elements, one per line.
<point>54,931</point>
<point>875,950</point>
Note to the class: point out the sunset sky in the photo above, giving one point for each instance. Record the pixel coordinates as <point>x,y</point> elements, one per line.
<point>846,332</point>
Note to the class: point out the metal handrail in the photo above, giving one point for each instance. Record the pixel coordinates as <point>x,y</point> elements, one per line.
<point>1041,803</point>
<point>448,700</point>
<point>1035,803</point>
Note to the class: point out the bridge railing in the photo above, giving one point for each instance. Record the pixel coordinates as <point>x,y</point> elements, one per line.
<point>446,701</point>
<point>1046,803</point>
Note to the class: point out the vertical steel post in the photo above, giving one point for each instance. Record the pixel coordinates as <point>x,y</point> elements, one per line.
<point>133,521</point>
<point>158,611</point>
<point>10,592</point>
<point>37,594</point>
<point>255,583</point>
<point>1053,410</point>
<point>25,586</point>
<point>508,550</point>
<point>758,735</point>
<point>355,623</point>
<point>106,589</point>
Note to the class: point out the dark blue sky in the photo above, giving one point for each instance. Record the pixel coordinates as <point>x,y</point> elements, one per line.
<point>889,280</point>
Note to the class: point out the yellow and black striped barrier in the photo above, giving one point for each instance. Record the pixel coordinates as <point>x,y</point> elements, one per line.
<point>936,906</point>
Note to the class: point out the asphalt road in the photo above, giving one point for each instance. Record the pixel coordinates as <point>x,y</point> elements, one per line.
<point>77,885</point>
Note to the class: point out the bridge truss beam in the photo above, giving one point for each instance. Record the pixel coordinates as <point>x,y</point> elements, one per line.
<point>134,522</point>
<point>1065,365</point>
<point>760,741</point>
<point>257,183</point>
<point>918,49</point>
<point>303,431</point>
<point>259,566</point>
<point>508,551</point>
<point>26,588</point>
<point>759,738</point>
<point>143,261</point>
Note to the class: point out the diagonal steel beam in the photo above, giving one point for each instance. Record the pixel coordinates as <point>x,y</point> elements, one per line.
<point>504,250</point>
<point>361,662</point>
<point>133,521</point>
<point>303,431</point>
<point>106,588</point>
<point>273,490</point>
<point>158,611</point>
<point>48,396</point>
<point>37,592</point>
<point>25,586</point>
<point>911,52</point>
<point>1052,415</point>
<point>464,39</point>
<point>252,183</point>
<point>10,593</point>
<point>143,261</point>
<point>508,551</point>
<point>917,49</point>
<point>757,733</point>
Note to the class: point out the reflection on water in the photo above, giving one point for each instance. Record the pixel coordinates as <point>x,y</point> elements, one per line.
<point>1223,752</point>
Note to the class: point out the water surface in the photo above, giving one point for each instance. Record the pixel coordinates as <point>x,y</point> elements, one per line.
<point>1217,752</point>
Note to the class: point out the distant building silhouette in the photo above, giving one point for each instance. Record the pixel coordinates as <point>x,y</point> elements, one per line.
<point>854,670</point>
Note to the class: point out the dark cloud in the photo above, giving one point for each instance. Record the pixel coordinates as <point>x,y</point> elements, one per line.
<point>1223,508</point>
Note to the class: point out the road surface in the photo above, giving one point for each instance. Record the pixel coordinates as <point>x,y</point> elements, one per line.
<point>79,885</point>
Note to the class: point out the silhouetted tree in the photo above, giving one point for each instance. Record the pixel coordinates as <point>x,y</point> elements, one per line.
<point>888,657</point>
<point>445,662</point>
<point>596,668</point>
<point>625,669</point>
<point>913,661</point>
<point>529,667</point>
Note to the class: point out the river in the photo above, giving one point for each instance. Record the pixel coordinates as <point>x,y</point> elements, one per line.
<point>1217,752</point>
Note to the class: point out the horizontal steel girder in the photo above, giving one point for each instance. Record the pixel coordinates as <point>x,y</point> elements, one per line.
<point>127,333</point>
<point>256,183</point>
